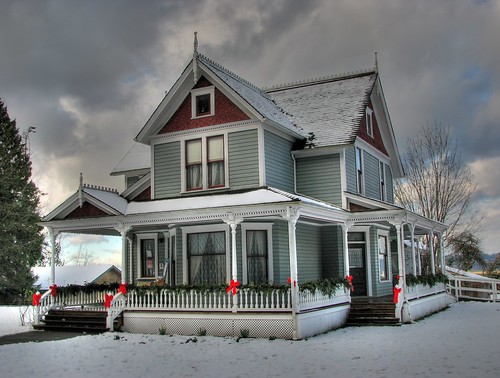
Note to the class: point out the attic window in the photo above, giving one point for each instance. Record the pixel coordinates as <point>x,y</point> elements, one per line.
<point>202,102</point>
<point>369,122</point>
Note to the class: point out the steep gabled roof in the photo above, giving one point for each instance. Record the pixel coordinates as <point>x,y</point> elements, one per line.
<point>106,200</point>
<point>331,107</point>
<point>138,158</point>
<point>250,99</point>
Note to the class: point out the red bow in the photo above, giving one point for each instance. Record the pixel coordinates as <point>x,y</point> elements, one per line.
<point>398,277</point>
<point>123,288</point>
<point>53,290</point>
<point>396,291</point>
<point>36,299</point>
<point>107,300</point>
<point>233,287</point>
<point>349,279</point>
<point>290,281</point>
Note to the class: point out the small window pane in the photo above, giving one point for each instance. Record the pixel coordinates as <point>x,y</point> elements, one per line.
<point>215,148</point>
<point>257,256</point>
<point>193,151</point>
<point>202,104</point>
<point>147,258</point>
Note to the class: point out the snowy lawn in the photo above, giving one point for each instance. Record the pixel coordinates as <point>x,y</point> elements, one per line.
<point>463,341</point>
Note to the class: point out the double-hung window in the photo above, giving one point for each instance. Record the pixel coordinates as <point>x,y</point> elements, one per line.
<point>383,258</point>
<point>205,163</point>
<point>257,253</point>
<point>359,171</point>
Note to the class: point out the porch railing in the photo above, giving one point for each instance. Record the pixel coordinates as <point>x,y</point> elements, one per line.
<point>474,288</point>
<point>310,300</point>
<point>421,290</point>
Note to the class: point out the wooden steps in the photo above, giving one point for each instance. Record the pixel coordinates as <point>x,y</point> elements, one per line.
<point>369,312</point>
<point>76,321</point>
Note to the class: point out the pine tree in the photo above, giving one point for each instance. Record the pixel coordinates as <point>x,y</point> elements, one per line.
<point>20,235</point>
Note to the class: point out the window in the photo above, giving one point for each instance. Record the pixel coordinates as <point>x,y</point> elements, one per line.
<point>383,261</point>
<point>257,252</point>
<point>359,171</point>
<point>206,252</point>
<point>215,161</point>
<point>147,261</point>
<point>202,102</point>
<point>369,122</point>
<point>205,166</point>
<point>383,193</point>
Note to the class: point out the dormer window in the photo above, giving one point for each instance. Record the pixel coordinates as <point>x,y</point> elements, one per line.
<point>202,102</point>
<point>369,122</point>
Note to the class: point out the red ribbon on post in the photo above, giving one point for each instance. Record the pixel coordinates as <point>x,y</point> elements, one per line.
<point>36,299</point>
<point>53,290</point>
<point>396,291</point>
<point>107,300</point>
<point>123,288</point>
<point>233,287</point>
<point>290,281</point>
<point>349,279</point>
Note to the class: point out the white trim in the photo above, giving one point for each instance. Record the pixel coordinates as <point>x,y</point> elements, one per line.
<point>384,233</point>
<point>251,227</point>
<point>369,121</point>
<point>382,177</point>
<point>360,143</point>
<point>199,92</point>
<point>199,229</point>
<point>366,231</point>
<point>141,237</point>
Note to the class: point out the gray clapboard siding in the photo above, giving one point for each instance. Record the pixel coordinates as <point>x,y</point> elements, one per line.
<point>332,252</point>
<point>379,288</point>
<point>319,177</point>
<point>350,169</point>
<point>371,175</point>
<point>308,252</point>
<point>279,163</point>
<point>167,169</point>
<point>281,256</point>
<point>243,152</point>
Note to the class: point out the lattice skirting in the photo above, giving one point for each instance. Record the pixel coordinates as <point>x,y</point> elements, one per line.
<point>258,325</point>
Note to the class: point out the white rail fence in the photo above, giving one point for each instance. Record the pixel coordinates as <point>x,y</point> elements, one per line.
<point>474,288</point>
<point>420,290</point>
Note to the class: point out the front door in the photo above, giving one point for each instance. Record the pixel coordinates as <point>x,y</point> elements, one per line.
<point>357,269</point>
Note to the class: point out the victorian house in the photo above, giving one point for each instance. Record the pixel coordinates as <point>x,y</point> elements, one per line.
<point>268,192</point>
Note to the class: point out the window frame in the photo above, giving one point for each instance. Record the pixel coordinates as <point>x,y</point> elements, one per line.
<point>385,235</point>
<point>369,121</point>
<point>204,163</point>
<point>244,264</point>
<point>360,184</point>
<point>195,93</point>
<point>140,238</point>
<point>382,181</point>
<point>204,229</point>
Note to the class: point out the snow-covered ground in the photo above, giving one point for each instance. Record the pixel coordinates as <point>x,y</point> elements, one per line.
<point>463,341</point>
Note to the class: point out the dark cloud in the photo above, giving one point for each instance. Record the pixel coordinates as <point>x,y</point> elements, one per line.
<point>88,74</point>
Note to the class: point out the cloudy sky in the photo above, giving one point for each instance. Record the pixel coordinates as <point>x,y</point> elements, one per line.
<point>88,74</point>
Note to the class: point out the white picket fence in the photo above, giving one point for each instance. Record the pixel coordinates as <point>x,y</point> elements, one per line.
<point>477,289</point>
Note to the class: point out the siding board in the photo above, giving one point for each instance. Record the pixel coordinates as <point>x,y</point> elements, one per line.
<point>279,163</point>
<point>243,162</point>
<point>167,169</point>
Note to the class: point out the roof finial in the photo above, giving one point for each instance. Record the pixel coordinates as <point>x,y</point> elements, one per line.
<point>195,57</point>
<point>376,62</point>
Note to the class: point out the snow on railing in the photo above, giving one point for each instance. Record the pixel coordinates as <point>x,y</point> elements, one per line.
<point>479,289</point>
<point>46,302</point>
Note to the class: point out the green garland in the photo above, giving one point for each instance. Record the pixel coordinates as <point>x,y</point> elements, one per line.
<point>426,279</point>
<point>327,286</point>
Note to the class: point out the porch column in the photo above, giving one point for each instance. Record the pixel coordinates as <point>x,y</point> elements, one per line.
<point>431,249</point>
<point>401,263</point>
<point>233,223</point>
<point>130,260</point>
<point>292,216</point>
<point>419,259</point>
<point>345,232</point>
<point>123,229</point>
<point>441,248</point>
<point>413,259</point>
<point>52,239</point>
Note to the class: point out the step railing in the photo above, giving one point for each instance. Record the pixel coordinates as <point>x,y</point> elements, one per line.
<point>477,289</point>
<point>45,303</point>
<point>117,306</point>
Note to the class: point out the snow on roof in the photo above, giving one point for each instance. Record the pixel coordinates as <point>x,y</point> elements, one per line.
<point>70,274</point>
<point>110,198</point>
<point>137,158</point>
<point>329,108</point>
<point>258,99</point>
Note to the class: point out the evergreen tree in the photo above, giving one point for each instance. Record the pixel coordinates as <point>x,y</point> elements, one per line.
<point>20,236</point>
